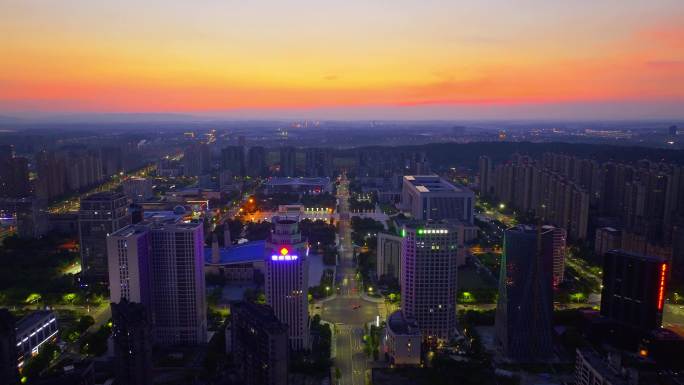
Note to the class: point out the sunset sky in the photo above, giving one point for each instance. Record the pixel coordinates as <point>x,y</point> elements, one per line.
<point>382,59</point>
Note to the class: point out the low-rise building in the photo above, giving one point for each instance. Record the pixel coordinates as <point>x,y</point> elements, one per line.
<point>33,331</point>
<point>402,340</point>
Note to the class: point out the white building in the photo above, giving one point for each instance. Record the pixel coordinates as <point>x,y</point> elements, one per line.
<point>287,276</point>
<point>128,257</point>
<point>429,197</point>
<point>178,288</point>
<point>402,340</point>
<point>160,263</point>
<point>429,272</point>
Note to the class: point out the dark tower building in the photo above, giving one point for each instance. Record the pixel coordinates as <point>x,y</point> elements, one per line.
<point>14,177</point>
<point>256,161</point>
<point>233,160</point>
<point>196,159</point>
<point>100,214</point>
<point>525,306</point>
<point>288,161</point>
<point>318,162</point>
<point>8,349</point>
<point>132,343</point>
<point>259,343</point>
<point>634,289</point>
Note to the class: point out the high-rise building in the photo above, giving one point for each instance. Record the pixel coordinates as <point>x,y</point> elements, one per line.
<point>100,214</point>
<point>389,256</point>
<point>672,130</point>
<point>112,160</point>
<point>429,197</point>
<point>318,162</point>
<point>259,344</point>
<point>138,189</point>
<point>287,279</point>
<point>429,271</point>
<point>132,336</point>
<point>256,161</point>
<point>51,176</point>
<point>8,349</point>
<point>177,280</point>
<point>83,169</point>
<point>634,289</point>
<point>128,252</point>
<point>233,160</point>
<point>288,161</point>
<point>525,305</point>
<point>559,249</point>
<point>14,177</point>
<point>196,159</point>
<point>486,176</point>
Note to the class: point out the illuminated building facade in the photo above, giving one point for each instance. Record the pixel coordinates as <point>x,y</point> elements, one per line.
<point>428,274</point>
<point>634,289</point>
<point>287,279</point>
<point>33,331</point>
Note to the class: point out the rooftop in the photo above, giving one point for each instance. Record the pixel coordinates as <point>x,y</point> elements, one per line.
<point>433,183</point>
<point>262,313</point>
<point>401,325</point>
<point>244,253</point>
<point>30,320</point>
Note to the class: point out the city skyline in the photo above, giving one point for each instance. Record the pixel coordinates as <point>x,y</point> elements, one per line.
<point>427,60</point>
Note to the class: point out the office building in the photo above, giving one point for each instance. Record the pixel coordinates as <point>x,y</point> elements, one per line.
<point>288,161</point>
<point>32,331</point>
<point>402,340</point>
<point>525,305</point>
<point>429,197</point>
<point>259,343</point>
<point>233,160</point>
<point>128,251</point>
<point>287,279</point>
<point>428,275</point>
<point>559,250</point>
<point>8,349</point>
<point>256,162</point>
<point>389,256</point>
<point>634,289</point>
<point>177,280</point>
<point>132,336</point>
<point>196,159</point>
<point>318,162</point>
<point>673,131</point>
<point>100,214</point>
<point>138,189</point>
